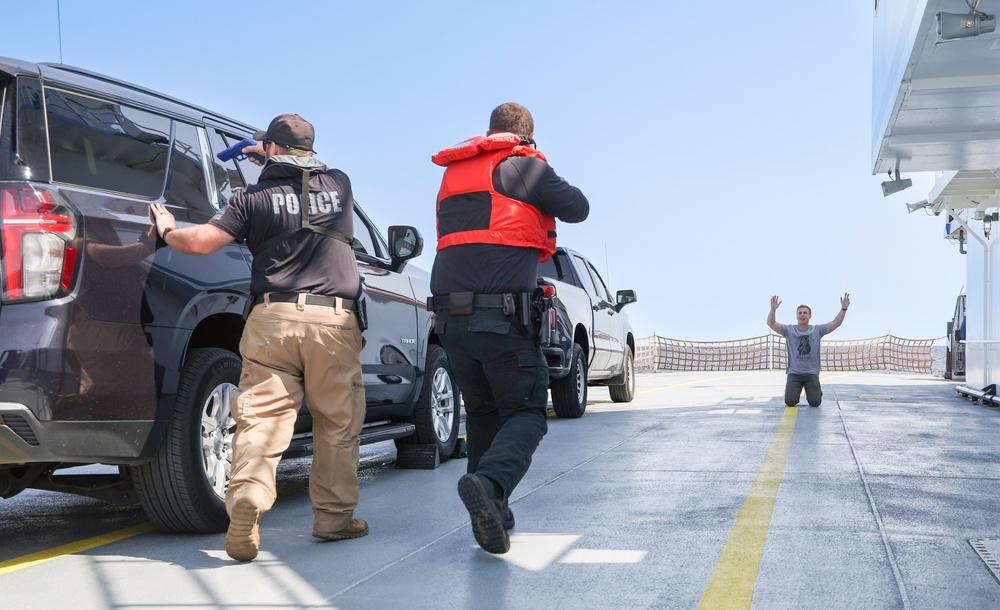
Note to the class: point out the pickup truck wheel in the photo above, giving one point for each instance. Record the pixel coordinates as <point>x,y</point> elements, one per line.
<point>569,394</point>
<point>626,391</point>
<point>183,488</point>
<point>438,409</point>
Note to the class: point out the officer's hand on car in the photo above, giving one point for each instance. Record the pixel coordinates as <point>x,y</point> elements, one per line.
<point>161,218</point>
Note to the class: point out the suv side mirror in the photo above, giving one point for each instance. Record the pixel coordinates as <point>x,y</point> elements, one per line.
<point>404,243</point>
<point>625,297</point>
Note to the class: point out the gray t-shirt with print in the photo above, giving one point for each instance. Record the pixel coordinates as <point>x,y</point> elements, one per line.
<point>803,348</point>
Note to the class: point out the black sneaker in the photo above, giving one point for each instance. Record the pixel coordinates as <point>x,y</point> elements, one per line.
<point>485,513</point>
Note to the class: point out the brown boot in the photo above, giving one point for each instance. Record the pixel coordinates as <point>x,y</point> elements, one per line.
<point>355,529</point>
<point>243,537</point>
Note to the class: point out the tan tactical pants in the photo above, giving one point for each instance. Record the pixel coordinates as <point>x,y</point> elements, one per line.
<point>290,350</point>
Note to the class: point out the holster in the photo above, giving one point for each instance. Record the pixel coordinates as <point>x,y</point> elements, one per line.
<point>361,310</point>
<point>247,308</point>
<point>539,311</point>
<point>524,309</point>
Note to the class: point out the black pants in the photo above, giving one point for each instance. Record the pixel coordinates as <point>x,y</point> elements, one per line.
<point>794,385</point>
<point>504,381</point>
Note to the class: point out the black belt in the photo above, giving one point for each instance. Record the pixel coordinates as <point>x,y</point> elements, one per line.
<point>311,299</point>
<point>480,301</point>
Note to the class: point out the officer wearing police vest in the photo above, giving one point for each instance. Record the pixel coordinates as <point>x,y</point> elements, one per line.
<point>496,212</point>
<point>302,336</point>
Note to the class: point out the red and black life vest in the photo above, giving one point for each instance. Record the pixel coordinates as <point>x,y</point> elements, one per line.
<point>471,211</point>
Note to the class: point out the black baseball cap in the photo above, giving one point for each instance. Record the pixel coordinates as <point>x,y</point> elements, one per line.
<point>290,131</point>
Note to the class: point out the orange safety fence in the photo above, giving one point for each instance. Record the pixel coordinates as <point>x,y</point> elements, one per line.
<point>885,353</point>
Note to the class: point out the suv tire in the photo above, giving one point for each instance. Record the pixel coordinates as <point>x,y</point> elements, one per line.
<point>626,391</point>
<point>569,394</point>
<point>183,488</point>
<point>438,411</point>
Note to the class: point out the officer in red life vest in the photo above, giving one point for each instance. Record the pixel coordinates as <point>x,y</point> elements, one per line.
<point>496,212</point>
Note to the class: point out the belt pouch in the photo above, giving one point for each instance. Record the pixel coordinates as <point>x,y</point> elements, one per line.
<point>461,303</point>
<point>509,308</point>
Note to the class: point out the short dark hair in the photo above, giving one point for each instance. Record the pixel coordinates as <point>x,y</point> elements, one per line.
<point>809,309</point>
<point>512,118</point>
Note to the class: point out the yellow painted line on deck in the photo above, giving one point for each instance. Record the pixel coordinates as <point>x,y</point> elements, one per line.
<point>732,583</point>
<point>79,546</point>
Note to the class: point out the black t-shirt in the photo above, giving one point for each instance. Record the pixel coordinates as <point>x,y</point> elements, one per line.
<point>305,261</point>
<point>495,269</point>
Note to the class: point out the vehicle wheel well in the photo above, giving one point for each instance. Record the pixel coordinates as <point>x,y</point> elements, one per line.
<point>222,330</point>
<point>580,338</point>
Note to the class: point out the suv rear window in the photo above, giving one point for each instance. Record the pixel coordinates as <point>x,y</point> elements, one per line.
<point>106,145</point>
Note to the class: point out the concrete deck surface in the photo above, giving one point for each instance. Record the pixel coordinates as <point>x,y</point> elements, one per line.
<point>878,499</point>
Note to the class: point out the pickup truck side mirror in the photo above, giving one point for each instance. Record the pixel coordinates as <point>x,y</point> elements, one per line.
<point>625,297</point>
<point>404,243</point>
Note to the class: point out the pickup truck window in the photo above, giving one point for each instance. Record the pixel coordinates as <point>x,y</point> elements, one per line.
<point>602,288</point>
<point>586,274</point>
<point>363,241</point>
<point>558,268</point>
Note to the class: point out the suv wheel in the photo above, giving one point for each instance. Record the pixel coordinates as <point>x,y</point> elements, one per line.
<point>569,394</point>
<point>183,489</point>
<point>626,391</point>
<point>438,409</point>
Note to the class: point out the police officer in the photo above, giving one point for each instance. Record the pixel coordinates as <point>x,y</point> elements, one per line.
<point>496,212</point>
<point>301,337</point>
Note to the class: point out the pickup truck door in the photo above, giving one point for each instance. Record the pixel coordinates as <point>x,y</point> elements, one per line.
<point>608,328</point>
<point>391,356</point>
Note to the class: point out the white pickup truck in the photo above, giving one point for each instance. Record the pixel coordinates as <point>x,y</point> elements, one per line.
<point>589,340</point>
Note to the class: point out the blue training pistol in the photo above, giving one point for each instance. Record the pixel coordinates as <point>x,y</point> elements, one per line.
<point>236,151</point>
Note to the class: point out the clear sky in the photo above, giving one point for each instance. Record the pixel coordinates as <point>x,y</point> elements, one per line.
<point>725,146</point>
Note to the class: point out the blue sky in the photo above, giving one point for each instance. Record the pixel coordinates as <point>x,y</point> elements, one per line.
<point>725,147</point>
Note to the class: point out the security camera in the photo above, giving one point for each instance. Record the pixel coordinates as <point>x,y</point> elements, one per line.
<point>960,25</point>
<point>913,207</point>
<point>891,187</point>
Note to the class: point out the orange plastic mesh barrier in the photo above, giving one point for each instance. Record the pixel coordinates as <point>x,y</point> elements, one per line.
<point>768,352</point>
<point>660,353</point>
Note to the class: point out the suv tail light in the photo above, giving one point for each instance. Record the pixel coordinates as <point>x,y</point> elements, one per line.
<point>36,231</point>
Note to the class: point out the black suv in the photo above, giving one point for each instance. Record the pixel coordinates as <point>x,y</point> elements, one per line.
<point>113,353</point>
